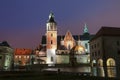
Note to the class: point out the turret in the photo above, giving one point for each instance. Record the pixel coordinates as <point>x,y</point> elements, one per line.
<point>51,24</point>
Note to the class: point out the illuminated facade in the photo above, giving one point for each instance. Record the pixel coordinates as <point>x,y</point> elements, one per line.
<point>80,54</point>
<point>40,55</point>
<point>51,36</point>
<point>105,50</point>
<point>69,41</point>
<point>22,56</point>
<point>6,56</point>
<point>59,47</point>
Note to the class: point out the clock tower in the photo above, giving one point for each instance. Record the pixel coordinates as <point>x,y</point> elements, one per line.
<point>51,38</point>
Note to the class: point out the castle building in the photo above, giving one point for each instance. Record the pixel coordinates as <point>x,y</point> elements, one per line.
<point>6,56</point>
<point>59,47</point>
<point>105,50</point>
<point>22,56</point>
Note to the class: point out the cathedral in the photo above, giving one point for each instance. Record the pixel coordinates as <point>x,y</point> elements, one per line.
<point>63,49</point>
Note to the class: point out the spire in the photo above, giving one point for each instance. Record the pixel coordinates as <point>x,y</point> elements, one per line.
<point>85,29</point>
<point>78,42</point>
<point>51,17</point>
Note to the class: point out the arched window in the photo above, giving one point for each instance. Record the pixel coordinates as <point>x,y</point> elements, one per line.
<point>100,62</point>
<point>51,27</point>
<point>111,62</point>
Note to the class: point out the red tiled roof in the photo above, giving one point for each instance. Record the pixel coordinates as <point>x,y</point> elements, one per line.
<point>22,51</point>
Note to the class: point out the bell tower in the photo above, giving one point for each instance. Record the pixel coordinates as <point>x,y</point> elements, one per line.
<point>51,38</point>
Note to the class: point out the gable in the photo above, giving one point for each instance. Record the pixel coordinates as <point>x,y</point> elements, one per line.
<point>68,37</point>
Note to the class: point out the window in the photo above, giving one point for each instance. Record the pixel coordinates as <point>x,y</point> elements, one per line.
<point>51,35</point>
<point>86,46</point>
<point>51,58</point>
<point>51,42</point>
<point>19,56</point>
<point>27,56</point>
<point>51,27</point>
<point>95,45</point>
<point>98,52</point>
<point>16,56</point>
<point>93,54</point>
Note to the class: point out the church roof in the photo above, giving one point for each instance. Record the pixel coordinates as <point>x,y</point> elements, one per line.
<point>4,43</point>
<point>22,51</point>
<point>51,18</point>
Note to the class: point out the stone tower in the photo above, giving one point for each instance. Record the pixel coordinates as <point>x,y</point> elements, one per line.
<point>51,38</point>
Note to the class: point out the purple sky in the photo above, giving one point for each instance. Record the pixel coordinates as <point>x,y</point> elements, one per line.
<point>23,22</point>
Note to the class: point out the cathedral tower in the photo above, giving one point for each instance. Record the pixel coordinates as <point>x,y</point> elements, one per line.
<point>51,38</point>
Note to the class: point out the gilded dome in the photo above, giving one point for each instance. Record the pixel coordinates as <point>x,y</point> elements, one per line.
<point>78,49</point>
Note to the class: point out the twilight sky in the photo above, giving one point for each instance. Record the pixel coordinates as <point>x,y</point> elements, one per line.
<point>23,22</point>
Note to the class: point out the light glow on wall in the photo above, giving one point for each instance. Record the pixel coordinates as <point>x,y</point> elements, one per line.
<point>94,61</point>
<point>111,62</point>
<point>16,56</point>
<point>19,56</point>
<point>51,53</point>
<point>100,62</point>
